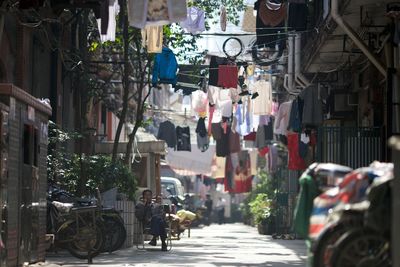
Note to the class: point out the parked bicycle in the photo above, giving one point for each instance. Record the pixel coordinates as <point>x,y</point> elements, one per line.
<point>75,229</point>
<point>108,219</point>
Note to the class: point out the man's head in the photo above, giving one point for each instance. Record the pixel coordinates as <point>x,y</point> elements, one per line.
<point>208,196</point>
<point>147,195</point>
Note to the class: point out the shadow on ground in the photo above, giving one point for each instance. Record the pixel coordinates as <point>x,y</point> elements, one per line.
<point>234,245</point>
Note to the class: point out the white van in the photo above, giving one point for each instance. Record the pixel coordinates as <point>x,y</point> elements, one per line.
<point>171,186</point>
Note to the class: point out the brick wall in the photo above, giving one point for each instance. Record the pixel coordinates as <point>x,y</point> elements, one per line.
<point>14,171</point>
<point>17,119</point>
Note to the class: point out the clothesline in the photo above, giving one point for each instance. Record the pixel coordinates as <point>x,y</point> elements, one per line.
<point>245,34</point>
<point>247,48</point>
<point>196,76</point>
<point>250,34</point>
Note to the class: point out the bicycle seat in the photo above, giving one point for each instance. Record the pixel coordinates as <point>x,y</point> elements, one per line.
<point>63,207</point>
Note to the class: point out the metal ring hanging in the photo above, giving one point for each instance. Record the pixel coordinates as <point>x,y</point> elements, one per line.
<point>236,55</point>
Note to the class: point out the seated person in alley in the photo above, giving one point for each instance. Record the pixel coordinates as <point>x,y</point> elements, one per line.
<point>152,215</point>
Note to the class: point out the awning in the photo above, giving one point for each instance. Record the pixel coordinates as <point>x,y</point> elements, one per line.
<point>146,143</point>
<point>191,163</point>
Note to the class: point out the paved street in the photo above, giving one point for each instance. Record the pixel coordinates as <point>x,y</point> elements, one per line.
<point>217,245</point>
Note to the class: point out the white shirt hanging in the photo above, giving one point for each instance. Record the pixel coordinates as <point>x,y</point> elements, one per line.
<point>262,105</point>
<point>113,10</point>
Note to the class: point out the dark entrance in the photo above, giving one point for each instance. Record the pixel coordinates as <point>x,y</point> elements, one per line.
<point>29,196</point>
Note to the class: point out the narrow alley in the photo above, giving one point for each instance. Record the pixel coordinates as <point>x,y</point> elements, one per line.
<point>257,132</point>
<point>216,245</point>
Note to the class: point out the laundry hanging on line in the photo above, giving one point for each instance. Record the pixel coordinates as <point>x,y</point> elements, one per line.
<point>165,68</point>
<point>262,105</point>
<point>228,76</point>
<point>167,133</point>
<point>183,139</point>
<point>269,24</point>
<point>107,22</point>
<point>156,12</point>
<point>152,38</point>
<point>249,20</point>
<point>195,21</point>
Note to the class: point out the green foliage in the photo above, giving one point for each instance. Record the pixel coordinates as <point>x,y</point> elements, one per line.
<point>212,9</point>
<point>259,205</point>
<point>57,157</point>
<point>67,168</point>
<point>57,136</point>
<point>261,208</point>
<point>100,173</point>
<point>186,44</point>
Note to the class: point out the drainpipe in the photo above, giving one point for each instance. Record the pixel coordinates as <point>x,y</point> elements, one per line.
<point>289,77</point>
<point>394,143</point>
<point>299,77</point>
<point>355,38</point>
<point>1,26</point>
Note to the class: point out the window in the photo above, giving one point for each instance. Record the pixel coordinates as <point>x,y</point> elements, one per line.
<point>35,147</point>
<point>30,145</point>
<point>168,189</point>
<point>26,144</point>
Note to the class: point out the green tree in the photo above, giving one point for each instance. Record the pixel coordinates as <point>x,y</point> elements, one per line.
<point>65,168</point>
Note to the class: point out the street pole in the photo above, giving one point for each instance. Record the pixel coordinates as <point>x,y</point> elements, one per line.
<point>395,236</point>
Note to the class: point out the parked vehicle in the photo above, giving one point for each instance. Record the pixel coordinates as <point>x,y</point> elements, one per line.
<point>171,186</point>
<point>368,243</point>
<point>75,229</point>
<point>357,225</point>
<point>111,222</point>
<point>328,175</point>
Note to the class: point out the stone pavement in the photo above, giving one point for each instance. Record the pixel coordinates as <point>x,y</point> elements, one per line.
<point>216,245</point>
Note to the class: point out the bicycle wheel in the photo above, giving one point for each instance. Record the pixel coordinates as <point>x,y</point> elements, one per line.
<point>114,233</point>
<point>324,246</point>
<point>361,248</point>
<point>87,239</point>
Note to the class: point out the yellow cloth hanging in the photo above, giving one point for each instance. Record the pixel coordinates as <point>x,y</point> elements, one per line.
<point>152,38</point>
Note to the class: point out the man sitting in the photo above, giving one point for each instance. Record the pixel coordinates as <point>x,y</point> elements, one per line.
<point>151,214</point>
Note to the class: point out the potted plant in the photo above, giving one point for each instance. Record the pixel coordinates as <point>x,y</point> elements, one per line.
<point>262,212</point>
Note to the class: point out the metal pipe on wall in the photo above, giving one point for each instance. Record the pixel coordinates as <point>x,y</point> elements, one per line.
<point>355,38</point>
<point>289,82</point>
<point>299,77</point>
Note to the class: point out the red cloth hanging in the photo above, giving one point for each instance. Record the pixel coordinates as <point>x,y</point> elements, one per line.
<point>296,163</point>
<point>228,76</point>
<point>250,137</point>
<point>313,138</point>
<point>239,180</point>
<point>263,151</point>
